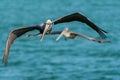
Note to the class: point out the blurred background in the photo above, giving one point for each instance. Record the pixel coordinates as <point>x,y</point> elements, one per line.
<point>78,59</point>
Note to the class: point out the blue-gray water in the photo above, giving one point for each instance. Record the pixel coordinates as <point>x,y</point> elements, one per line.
<point>78,59</point>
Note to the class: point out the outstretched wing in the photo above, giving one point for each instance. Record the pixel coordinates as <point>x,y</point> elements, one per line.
<point>12,36</point>
<point>83,19</point>
<point>55,32</point>
<point>89,38</point>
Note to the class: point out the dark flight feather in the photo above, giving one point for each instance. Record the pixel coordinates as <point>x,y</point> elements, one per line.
<point>14,34</point>
<point>83,19</point>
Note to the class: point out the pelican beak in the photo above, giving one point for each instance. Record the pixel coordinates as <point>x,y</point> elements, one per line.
<point>47,28</point>
<point>44,32</point>
<point>62,33</point>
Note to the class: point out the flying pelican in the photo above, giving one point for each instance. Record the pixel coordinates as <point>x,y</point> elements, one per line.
<point>72,35</point>
<point>46,28</point>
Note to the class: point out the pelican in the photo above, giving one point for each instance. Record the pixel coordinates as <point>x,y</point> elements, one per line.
<point>72,35</point>
<point>46,28</point>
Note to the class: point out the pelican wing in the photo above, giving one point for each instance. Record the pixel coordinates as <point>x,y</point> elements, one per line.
<point>55,32</point>
<point>39,34</point>
<point>89,38</point>
<point>12,36</point>
<point>83,19</point>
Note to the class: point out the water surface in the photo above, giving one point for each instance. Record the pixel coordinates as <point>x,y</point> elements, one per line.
<point>78,59</point>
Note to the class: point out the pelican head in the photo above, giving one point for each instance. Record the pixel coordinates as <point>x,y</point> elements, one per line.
<point>48,22</point>
<point>65,32</point>
<point>66,29</point>
<point>47,28</point>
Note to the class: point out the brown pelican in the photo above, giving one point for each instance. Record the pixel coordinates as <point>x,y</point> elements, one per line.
<point>72,35</point>
<point>45,28</point>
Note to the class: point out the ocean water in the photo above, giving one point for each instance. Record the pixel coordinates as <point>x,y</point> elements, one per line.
<point>78,59</point>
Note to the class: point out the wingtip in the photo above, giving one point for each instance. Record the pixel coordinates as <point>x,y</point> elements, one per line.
<point>104,41</point>
<point>102,35</point>
<point>4,61</point>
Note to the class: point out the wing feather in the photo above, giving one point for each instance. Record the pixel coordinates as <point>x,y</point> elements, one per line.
<point>89,38</point>
<point>12,36</point>
<point>81,18</point>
